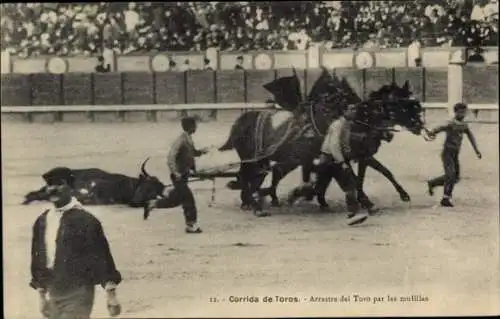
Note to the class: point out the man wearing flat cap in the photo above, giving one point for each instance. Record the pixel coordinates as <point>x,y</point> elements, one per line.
<point>70,254</point>
<point>181,162</point>
<point>239,63</point>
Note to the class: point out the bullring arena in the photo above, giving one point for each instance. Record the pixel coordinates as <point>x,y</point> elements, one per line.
<point>107,88</point>
<point>432,260</point>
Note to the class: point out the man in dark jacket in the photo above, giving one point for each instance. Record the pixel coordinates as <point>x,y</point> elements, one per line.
<point>239,63</point>
<point>181,164</point>
<point>70,254</point>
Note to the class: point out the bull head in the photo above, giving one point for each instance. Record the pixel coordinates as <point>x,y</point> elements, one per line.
<point>148,187</point>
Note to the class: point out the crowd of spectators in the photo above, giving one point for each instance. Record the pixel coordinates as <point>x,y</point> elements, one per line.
<point>30,29</point>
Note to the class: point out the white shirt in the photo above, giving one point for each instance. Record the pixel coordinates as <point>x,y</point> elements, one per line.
<point>413,53</point>
<point>131,19</point>
<point>262,25</point>
<point>332,144</point>
<point>477,13</point>
<point>304,40</point>
<point>53,222</point>
<point>491,9</point>
<point>108,56</point>
<point>430,8</point>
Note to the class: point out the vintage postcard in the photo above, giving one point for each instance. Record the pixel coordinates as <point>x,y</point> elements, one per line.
<point>250,159</point>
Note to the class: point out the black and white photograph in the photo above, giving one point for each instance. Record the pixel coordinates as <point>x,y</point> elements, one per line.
<point>250,159</point>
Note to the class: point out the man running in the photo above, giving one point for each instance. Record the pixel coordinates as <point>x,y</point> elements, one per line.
<point>181,163</point>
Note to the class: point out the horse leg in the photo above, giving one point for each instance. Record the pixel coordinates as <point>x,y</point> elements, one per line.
<point>279,171</point>
<point>255,181</point>
<point>325,176</point>
<point>361,195</point>
<point>307,169</point>
<point>245,195</point>
<point>379,167</point>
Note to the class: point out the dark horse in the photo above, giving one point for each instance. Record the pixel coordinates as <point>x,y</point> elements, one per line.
<point>374,123</point>
<point>285,137</point>
<point>291,147</point>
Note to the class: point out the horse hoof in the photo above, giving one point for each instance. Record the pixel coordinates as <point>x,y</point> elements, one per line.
<point>261,214</point>
<point>374,210</point>
<point>245,207</point>
<point>405,197</point>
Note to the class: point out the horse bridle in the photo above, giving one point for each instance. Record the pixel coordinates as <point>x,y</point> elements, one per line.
<point>375,128</point>
<point>313,122</point>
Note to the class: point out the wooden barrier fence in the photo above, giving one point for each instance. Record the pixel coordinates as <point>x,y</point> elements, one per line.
<point>224,89</point>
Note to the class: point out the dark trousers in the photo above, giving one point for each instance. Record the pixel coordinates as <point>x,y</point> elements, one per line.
<point>74,304</point>
<point>180,195</point>
<point>451,172</point>
<point>346,179</point>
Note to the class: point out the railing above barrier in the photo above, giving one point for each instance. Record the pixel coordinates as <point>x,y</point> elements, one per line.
<point>118,108</point>
<point>182,107</point>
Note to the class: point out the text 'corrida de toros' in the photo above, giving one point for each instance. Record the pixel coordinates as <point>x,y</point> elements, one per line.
<point>269,299</point>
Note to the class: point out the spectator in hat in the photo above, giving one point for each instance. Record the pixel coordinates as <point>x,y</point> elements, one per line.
<point>239,63</point>
<point>172,66</point>
<point>101,68</point>
<point>70,254</point>
<point>206,65</point>
<point>476,56</point>
<point>414,53</point>
<point>185,66</point>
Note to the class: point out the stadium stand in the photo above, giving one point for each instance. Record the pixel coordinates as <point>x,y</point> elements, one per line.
<point>63,29</point>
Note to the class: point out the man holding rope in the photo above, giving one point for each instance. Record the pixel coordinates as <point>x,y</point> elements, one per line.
<point>181,164</point>
<point>333,162</point>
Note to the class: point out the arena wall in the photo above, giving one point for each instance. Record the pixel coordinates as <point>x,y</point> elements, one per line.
<point>317,55</point>
<point>207,91</point>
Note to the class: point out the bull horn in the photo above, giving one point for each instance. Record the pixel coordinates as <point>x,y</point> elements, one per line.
<point>143,167</point>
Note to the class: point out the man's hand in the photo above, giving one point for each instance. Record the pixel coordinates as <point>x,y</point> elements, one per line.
<point>431,135</point>
<point>44,303</point>
<point>114,307</point>
<point>205,150</point>
<point>177,175</point>
<point>479,155</point>
<point>344,165</point>
<point>192,173</point>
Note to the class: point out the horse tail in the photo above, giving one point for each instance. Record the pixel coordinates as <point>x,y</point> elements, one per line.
<point>228,145</point>
<point>238,129</point>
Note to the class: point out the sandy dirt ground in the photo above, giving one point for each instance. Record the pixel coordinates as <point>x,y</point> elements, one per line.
<point>448,259</point>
